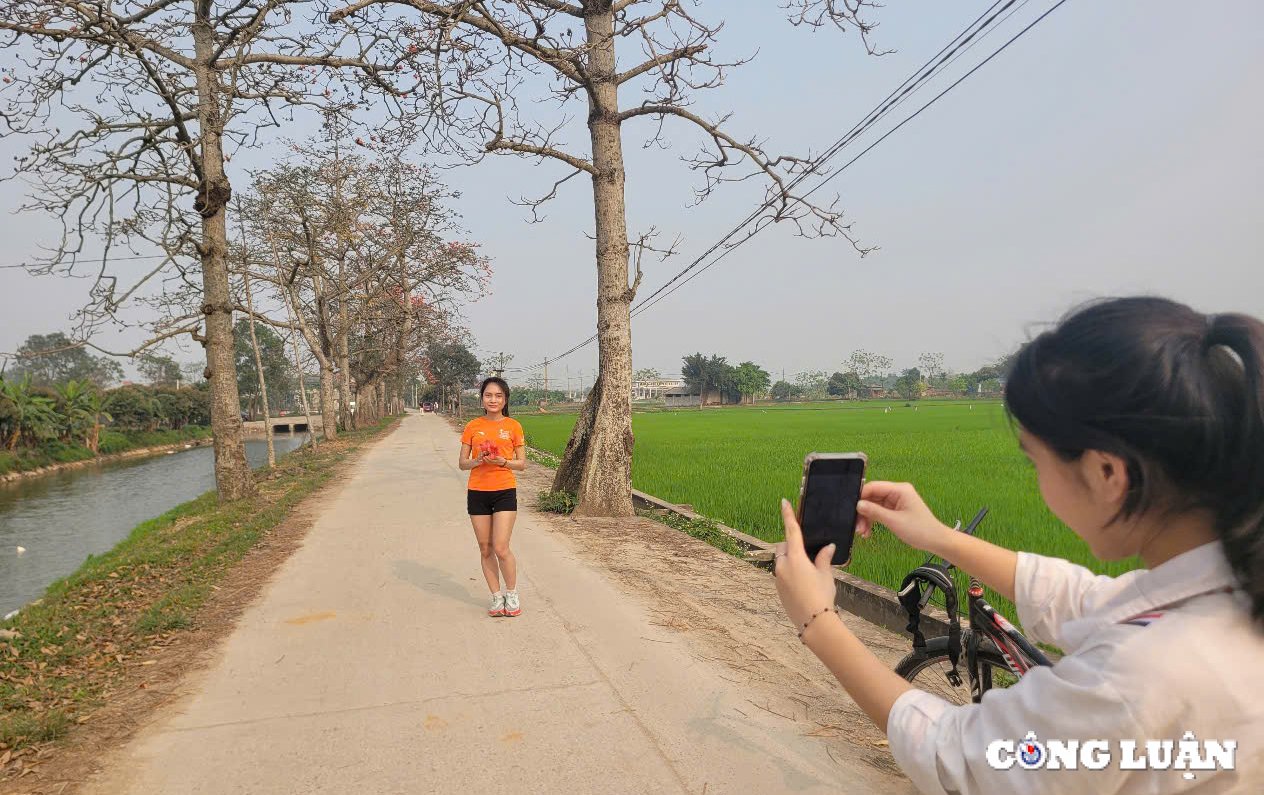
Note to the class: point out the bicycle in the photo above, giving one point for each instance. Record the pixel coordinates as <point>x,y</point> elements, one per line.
<point>997,654</point>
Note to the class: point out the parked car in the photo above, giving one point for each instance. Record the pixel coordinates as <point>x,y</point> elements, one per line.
<point>427,406</point>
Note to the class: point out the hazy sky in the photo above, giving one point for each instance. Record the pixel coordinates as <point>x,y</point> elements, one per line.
<point>1117,148</point>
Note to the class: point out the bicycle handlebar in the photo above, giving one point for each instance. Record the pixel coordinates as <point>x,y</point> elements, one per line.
<point>969,530</point>
<point>945,566</point>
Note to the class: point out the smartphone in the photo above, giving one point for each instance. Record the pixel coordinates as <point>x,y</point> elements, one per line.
<point>827,502</point>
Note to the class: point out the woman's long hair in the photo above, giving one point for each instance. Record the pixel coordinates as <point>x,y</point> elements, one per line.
<point>1176,394</point>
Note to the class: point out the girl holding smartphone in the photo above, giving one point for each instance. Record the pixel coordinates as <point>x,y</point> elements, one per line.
<point>1144,420</point>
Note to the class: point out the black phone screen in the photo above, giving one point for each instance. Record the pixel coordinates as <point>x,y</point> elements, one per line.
<point>830,494</point>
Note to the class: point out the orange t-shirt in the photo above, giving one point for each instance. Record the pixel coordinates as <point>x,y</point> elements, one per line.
<point>506,434</point>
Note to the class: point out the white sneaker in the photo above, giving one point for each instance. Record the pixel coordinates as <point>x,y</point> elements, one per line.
<point>512,606</point>
<point>498,605</point>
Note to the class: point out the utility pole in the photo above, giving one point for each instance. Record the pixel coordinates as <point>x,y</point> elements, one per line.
<point>546,379</point>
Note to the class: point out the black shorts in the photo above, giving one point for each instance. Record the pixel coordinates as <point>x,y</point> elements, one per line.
<point>486,503</point>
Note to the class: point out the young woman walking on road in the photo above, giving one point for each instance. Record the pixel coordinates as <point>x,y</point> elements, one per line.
<point>1144,422</point>
<point>492,449</point>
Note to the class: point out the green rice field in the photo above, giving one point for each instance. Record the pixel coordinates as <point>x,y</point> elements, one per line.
<point>735,464</point>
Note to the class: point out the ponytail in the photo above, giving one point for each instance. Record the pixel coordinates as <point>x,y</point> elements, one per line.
<point>1178,395</point>
<point>1235,348</point>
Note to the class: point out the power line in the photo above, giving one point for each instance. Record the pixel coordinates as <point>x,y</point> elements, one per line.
<point>867,149</point>
<point>885,106</point>
<point>889,103</point>
<point>956,47</point>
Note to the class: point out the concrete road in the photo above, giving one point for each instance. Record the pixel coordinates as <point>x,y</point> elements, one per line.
<point>369,665</point>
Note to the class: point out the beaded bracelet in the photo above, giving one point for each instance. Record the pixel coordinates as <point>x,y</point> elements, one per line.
<point>813,618</point>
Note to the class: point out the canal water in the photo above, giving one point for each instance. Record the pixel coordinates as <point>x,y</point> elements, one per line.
<point>63,518</point>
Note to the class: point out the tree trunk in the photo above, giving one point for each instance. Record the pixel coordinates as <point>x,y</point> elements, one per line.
<point>233,479</point>
<point>328,400</point>
<point>329,420</point>
<point>599,454</point>
<point>344,357</point>
<point>263,384</point>
<point>298,372</point>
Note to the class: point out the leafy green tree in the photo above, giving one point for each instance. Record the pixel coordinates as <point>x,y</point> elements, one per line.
<point>694,372</point>
<point>277,369</point>
<point>453,367</point>
<point>844,385</point>
<point>784,390</point>
<point>159,370</point>
<point>135,409</point>
<point>646,374</point>
<point>723,378</point>
<point>959,383</point>
<point>181,407</point>
<point>705,375</point>
<point>51,359</point>
<point>532,397</point>
<point>910,385</point>
<point>751,380</point>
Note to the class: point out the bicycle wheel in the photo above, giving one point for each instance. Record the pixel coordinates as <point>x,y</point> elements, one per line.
<point>929,671</point>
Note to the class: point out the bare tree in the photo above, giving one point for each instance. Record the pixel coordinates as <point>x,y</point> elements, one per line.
<point>867,365</point>
<point>135,107</point>
<point>932,366</point>
<point>300,373</point>
<point>476,64</point>
<point>361,245</point>
<point>263,383</point>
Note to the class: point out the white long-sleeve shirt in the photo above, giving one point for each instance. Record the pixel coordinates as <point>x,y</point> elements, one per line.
<point>1150,655</point>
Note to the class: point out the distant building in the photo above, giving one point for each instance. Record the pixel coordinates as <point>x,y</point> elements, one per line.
<point>680,398</point>
<point>655,388</point>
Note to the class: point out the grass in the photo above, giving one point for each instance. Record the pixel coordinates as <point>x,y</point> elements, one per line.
<point>736,463</point>
<point>702,529</point>
<point>562,502</point>
<point>79,639</point>
<point>120,442</point>
<point>25,459</point>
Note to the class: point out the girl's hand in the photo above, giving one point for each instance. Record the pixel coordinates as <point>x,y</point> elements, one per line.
<point>900,508</point>
<point>498,460</point>
<point>805,587</point>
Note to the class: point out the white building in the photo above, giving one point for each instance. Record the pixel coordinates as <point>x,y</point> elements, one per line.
<point>656,388</point>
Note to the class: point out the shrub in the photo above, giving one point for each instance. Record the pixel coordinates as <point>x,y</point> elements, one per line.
<point>556,502</point>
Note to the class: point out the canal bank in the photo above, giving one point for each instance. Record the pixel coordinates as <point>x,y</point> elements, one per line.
<point>78,661</point>
<point>143,452</point>
<point>63,517</point>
